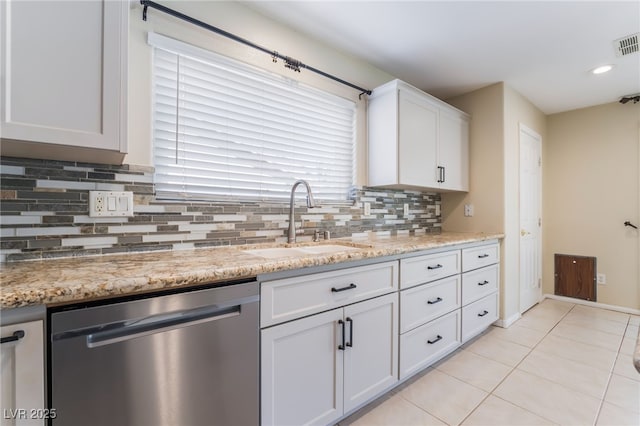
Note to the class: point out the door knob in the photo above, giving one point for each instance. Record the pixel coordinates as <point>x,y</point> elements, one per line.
<point>523,233</point>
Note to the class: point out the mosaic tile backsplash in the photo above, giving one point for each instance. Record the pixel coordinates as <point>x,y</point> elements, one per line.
<point>44,212</point>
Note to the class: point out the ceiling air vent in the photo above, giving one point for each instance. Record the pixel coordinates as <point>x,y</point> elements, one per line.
<point>627,45</point>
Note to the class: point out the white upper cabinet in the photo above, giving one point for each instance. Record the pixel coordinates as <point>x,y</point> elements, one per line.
<point>453,150</point>
<point>64,74</point>
<point>416,140</point>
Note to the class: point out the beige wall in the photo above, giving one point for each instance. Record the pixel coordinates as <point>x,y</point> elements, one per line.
<point>591,187</point>
<point>244,22</point>
<point>486,157</point>
<point>497,112</point>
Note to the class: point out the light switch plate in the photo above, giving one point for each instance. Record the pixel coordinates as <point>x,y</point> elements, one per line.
<point>110,203</point>
<point>405,209</point>
<point>602,279</point>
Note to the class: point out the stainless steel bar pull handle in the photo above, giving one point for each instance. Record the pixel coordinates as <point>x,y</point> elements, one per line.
<point>485,282</point>
<point>160,323</point>
<point>338,290</point>
<point>438,266</point>
<point>483,313</point>
<point>482,256</point>
<point>433,302</point>
<point>343,345</point>
<point>17,335</point>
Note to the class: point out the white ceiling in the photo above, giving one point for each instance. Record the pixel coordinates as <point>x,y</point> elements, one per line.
<point>543,49</point>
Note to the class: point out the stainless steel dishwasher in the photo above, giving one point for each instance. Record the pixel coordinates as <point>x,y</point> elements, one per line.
<point>189,358</point>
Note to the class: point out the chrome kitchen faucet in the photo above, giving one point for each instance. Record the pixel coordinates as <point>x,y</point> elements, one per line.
<point>310,204</point>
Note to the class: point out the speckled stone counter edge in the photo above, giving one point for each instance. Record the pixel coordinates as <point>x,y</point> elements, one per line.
<point>74,280</point>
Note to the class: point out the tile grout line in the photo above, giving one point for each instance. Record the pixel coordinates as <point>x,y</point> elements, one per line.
<point>530,350</point>
<point>513,369</point>
<point>611,372</point>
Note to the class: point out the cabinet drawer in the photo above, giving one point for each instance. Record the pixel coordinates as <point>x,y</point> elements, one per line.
<point>424,345</point>
<point>479,283</point>
<point>477,257</point>
<point>479,315</point>
<point>421,304</point>
<point>431,267</point>
<point>291,298</point>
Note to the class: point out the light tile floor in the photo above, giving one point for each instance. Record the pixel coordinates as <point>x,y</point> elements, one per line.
<point>561,363</point>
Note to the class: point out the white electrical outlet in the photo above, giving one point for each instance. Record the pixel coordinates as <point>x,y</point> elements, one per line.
<point>468,210</point>
<point>405,209</point>
<point>367,209</point>
<point>98,203</point>
<point>602,279</point>
<point>110,203</point>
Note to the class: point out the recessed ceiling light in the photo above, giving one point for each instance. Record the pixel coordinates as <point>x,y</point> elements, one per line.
<point>602,69</point>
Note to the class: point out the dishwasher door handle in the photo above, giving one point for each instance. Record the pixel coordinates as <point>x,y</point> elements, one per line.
<point>161,323</point>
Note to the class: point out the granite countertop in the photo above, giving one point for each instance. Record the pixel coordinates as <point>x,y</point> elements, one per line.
<point>79,279</point>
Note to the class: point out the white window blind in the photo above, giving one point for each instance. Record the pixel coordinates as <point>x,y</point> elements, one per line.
<point>223,129</point>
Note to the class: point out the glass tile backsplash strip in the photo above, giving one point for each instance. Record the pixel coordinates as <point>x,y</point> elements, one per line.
<point>44,212</point>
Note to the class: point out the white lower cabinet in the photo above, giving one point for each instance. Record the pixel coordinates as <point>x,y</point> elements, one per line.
<point>333,341</point>
<point>479,315</point>
<point>426,344</point>
<point>436,317</point>
<point>424,303</point>
<point>316,369</point>
<point>22,374</point>
<point>480,286</point>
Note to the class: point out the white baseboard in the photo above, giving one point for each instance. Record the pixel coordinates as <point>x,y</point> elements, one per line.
<point>592,304</point>
<point>506,323</point>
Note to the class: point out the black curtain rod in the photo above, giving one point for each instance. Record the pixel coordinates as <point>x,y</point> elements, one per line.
<point>290,63</point>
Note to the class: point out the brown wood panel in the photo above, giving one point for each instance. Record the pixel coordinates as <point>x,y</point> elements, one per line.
<point>575,276</point>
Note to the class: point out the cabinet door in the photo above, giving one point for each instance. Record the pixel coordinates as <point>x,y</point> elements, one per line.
<point>302,371</point>
<point>22,374</point>
<point>429,301</point>
<point>371,355</point>
<point>431,267</point>
<point>64,72</point>
<point>479,257</point>
<point>477,316</point>
<point>417,140</point>
<point>291,298</point>
<point>479,283</point>
<point>424,345</point>
<point>453,151</point>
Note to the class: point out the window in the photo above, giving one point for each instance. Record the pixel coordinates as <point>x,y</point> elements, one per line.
<point>226,130</point>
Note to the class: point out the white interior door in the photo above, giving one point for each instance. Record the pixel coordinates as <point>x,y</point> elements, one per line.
<point>530,218</point>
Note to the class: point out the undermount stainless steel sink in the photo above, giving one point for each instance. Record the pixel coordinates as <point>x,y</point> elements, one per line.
<point>298,251</point>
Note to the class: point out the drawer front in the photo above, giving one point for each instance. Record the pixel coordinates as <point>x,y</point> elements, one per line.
<point>478,257</point>
<point>479,315</point>
<point>291,298</point>
<point>421,304</point>
<point>426,344</point>
<point>479,283</point>
<point>431,267</point>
